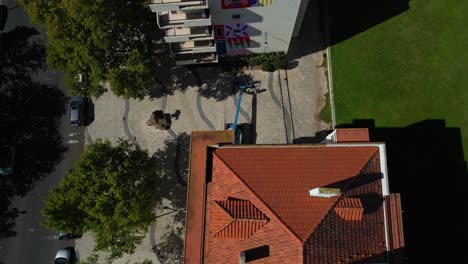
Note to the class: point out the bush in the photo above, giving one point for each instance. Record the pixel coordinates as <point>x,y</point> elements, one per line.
<point>268,66</point>
<point>280,62</point>
<point>268,61</point>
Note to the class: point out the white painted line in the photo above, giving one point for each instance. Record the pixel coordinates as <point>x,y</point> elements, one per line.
<point>73,142</point>
<point>72,134</point>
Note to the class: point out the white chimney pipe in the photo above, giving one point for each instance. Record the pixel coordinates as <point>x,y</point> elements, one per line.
<point>324,192</point>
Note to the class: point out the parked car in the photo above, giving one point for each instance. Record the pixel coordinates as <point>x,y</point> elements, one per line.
<point>65,256</point>
<point>77,111</point>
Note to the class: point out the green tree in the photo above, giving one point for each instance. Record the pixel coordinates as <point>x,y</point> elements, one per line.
<point>111,193</point>
<point>99,39</point>
<point>128,82</point>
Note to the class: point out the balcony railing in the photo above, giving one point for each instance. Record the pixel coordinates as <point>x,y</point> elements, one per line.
<point>188,59</point>
<point>174,5</point>
<point>183,34</point>
<point>190,47</point>
<point>196,19</point>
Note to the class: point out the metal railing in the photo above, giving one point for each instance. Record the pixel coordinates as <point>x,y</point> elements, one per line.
<point>174,1</point>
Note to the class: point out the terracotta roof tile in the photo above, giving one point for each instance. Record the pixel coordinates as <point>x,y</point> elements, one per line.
<point>251,184</point>
<point>196,190</point>
<point>349,209</point>
<point>236,219</point>
<point>282,178</point>
<point>240,228</point>
<point>337,240</point>
<point>226,185</point>
<point>352,135</point>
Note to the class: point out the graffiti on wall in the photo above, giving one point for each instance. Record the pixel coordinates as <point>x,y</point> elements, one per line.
<point>232,39</point>
<point>231,4</point>
<point>264,2</point>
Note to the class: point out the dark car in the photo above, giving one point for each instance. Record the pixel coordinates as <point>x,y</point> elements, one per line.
<point>77,111</point>
<point>3,16</point>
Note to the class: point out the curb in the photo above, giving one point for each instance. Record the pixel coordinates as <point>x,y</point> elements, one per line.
<point>329,68</point>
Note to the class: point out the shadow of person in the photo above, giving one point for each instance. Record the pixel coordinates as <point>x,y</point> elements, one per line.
<point>176,114</point>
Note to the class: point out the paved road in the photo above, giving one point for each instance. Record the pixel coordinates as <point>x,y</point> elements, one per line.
<point>34,244</point>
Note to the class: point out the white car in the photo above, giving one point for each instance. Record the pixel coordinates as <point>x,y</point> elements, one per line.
<point>65,256</point>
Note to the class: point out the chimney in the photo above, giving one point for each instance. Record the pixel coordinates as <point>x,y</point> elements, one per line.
<point>324,192</point>
<point>242,257</point>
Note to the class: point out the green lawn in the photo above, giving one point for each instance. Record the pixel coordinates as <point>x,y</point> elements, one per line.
<point>409,68</point>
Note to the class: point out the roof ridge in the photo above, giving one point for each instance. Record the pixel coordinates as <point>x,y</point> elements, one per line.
<point>228,223</point>
<point>365,164</point>
<point>226,211</point>
<point>332,208</point>
<point>260,199</point>
<point>245,206</point>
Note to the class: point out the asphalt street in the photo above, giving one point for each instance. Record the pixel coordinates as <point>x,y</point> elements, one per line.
<point>33,243</point>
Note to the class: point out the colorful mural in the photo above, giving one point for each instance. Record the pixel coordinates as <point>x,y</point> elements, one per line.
<point>264,2</point>
<point>232,39</point>
<point>236,30</point>
<point>231,4</point>
<point>236,46</point>
<point>218,31</point>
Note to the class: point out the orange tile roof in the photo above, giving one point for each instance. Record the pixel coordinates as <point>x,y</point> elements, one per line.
<point>282,178</point>
<point>352,135</point>
<point>199,142</point>
<point>241,209</point>
<point>337,240</point>
<point>350,209</point>
<point>225,185</point>
<point>243,219</point>
<point>251,182</point>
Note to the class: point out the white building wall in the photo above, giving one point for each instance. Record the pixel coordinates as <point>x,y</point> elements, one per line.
<point>269,27</point>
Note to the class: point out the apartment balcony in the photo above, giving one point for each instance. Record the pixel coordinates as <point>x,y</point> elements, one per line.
<point>174,19</point>
<point>192,47</point>
<point>185,34</point>
<point>176,5</point>
<point>200,58</point>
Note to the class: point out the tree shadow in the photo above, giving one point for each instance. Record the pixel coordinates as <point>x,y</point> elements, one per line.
<point>426,165</point>
<point>215,83</point>
<point>173,161</point>
<point>29,120</point>
<point>211,80</point>
<point>171,77</point>
<point>19,55</point>
<point>171,250</point>
<point>31,126</point>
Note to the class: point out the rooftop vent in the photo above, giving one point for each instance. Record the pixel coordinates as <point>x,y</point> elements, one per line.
<point>324,192</point>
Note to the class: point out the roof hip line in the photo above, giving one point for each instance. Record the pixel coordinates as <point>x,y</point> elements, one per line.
<point>261,200</point>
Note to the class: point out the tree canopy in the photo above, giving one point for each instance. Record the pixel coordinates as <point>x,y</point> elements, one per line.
<point>100,40</point>
<point>111,193</point>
